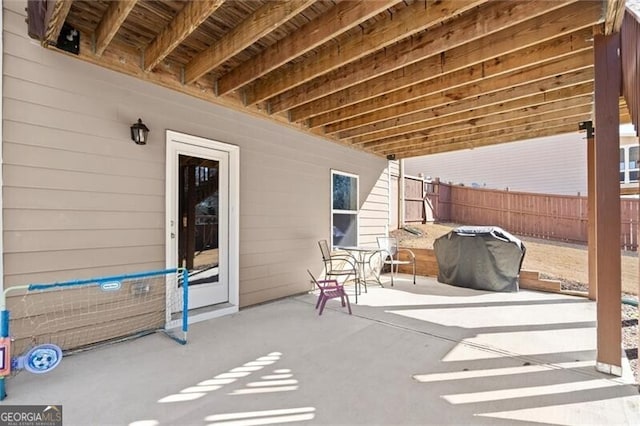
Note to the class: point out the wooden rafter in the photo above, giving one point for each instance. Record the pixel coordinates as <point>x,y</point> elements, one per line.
<point>614,15</point>
<point>485,117</point>
<point>451,69</point>
<point>56,15</point>
<point>111,22</point>
<point>554,71</point>
<point>261,22</point>
<point>488,140</point>
<point>490,68</point>
<point>383,76</point>
<point>528,121</point>
<point>397,59</point>
<point>405,23</point>
<point>342,17</point>
<point>577,83</point>
<point>469,111</point>
<point>186,21</point>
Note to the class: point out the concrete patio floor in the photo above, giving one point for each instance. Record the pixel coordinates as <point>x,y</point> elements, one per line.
<point>424,354</point>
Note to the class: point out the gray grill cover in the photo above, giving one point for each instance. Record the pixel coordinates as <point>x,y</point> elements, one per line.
<point>480,257</point>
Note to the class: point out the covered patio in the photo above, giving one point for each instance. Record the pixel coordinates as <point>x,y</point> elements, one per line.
<point>304,88</point>
<point>424,354</point>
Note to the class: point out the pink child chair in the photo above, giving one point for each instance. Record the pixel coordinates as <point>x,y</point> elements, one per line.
<point>330,292</point>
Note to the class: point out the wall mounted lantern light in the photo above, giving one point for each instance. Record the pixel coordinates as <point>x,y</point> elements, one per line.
<point>139,132</point>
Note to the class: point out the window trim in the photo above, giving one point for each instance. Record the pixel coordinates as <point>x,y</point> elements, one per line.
<point>355,213</point>
<point>626,170</point>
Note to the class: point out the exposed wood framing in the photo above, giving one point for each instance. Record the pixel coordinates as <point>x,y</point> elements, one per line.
<point>382,76</point>
<point>614,15</point>
<point>188,19</point>
<point>630,52</point>
<point>500,113</point>
<point>444,52</point>
<point>111,23</point>
<point>341,18</point>
<point>525,116</point>
<point>407,22</point>
<point>261,22</point>
<point>575,69</point>
<point>503,137</point>
<point>437,82</point>
<point>56,15</point>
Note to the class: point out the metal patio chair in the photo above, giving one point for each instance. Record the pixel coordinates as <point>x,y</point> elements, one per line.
<point>338,265</point>
<point>391,256</point>
<point>330,289</point>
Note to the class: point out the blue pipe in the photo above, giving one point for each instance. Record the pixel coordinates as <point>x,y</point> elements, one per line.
<point>629,301</point>
<point>101,279</point>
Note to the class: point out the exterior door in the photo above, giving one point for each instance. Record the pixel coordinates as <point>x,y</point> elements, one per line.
<point>198,218</point>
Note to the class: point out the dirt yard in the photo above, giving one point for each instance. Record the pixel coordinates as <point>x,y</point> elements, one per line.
<point>562,261</point>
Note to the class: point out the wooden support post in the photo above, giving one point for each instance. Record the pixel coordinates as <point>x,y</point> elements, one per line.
<point>607,203</point>
<point>591,206</point>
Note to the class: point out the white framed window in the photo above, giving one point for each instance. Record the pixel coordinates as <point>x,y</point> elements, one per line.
<point>345,200</point>
<point>629,164</point>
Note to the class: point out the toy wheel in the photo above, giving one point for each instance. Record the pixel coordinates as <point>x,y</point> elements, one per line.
<point>42,358</point>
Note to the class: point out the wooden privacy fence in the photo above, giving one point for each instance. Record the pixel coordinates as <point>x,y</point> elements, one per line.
<point>556,217</point>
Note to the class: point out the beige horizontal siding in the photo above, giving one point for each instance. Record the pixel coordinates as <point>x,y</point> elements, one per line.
<point>62,220</point>
<point>374,213</point>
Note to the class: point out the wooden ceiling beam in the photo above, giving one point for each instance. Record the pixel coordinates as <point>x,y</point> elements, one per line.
<point>185,22</point>
<point>492,140</point>
<point>469,110</point>
<point>393,28</point>
<point>111,22</point>
<point>261,22</point>
<point>613,16</point>
<point>527,121</point>
<point>431,78</point>
<point>340,18</point>
<point>572,84</point>
<point>554,69</point>
<point>483,33</point>
<point>465,121</point>
<point>55,17</point>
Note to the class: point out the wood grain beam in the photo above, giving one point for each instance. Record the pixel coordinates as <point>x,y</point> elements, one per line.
<point>340,18</point>
<point>527,121</point>
<point>391,29</point>
<point>431,78</point>
<point>111,22</point>
<point>447,125</point>
<point>492,140</point>
<point>528,124</point>
<point>613,16</point>
<point>576,83</point>
<point>55,17</point>
<point>481,32</point>
<point>608,83</point>
<point>261,22</point>
<point>185,22</point>
<point>449,116</point>
<point>555,69</point>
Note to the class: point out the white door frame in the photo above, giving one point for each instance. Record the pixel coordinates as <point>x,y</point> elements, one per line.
<point>174,139</point>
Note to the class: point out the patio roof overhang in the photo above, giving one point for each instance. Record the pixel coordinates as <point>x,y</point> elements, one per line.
<point>393,78</point>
